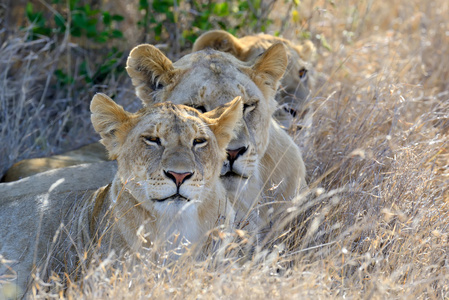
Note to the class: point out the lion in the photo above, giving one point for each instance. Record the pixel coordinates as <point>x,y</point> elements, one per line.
<point>166,187</point>
<point>263,164</point>
<point>298,79</point>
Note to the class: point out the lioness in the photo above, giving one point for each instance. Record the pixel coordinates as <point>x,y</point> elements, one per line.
<point>298,79</point>
<point>169,159</point>
<point>262,161</point>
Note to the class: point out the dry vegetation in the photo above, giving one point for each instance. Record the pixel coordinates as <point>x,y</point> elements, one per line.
<point>375,224</point>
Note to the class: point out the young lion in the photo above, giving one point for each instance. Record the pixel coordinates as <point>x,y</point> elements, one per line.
<point>262,161</point>
<point>169,159</point>
<point>298,80</point>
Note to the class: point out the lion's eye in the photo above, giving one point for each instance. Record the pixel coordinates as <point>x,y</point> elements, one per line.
<point>247,107</point>
<point>302,73</point>
<point>290,111</point>
<point>201,108</point>
<point>152,140</point>
<point>156,84</point>
<point>199,142</point>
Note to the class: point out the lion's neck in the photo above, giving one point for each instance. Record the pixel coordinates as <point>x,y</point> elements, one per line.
<point>284,171</point>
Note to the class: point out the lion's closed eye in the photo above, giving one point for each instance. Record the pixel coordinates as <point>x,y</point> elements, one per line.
<point>201,108</point>
<point>152,140</point>
<point>247,107</point>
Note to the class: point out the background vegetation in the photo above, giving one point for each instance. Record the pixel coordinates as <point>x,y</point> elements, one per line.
<point>376,224</point>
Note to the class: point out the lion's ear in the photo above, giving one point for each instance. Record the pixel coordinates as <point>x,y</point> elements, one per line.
<point>269,68</point>
<point>150,70</point>
<point>111,121</point>
<point>222,41</point>
<point>225,121</point>
<point>306,51</point>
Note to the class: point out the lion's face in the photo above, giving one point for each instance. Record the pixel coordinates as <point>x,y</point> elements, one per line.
<point>207,79</point>
<point>294,89</point>
<point>169,156</point>
<point>297,80</point>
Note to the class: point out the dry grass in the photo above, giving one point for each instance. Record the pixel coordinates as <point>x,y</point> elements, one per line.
<point>376,155</point>
<point>39,115</point>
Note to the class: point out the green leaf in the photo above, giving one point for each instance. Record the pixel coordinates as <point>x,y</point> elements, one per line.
<point>60,23</point>
<point>29,11</point>
<point>90,12</point>
<point>325,43</point>
<point>162,6</point>
<point>72,4</point>
<point>92,21</point>
<point>118,18</point>
<point>75,31</point>
<point>143,4</point>
<point>117,34</point>
<point>170,16</point>
<point>83,70</point>
<point>102,37</point>
<point>222,25</point>
<point>243,6</point>
<point>62,77</point>
<point>79,20</point>
<point>37,18</point>
<point>221,9</point>
<point>158,31</point>
<point>306,35</point>
<point>91,31</point>
<point>42,31</point>
<point>107,18</point>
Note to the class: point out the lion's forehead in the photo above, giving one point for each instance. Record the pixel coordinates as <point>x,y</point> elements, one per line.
<point>170,121</point>
<point>201,86</point>
<point>207,56</point>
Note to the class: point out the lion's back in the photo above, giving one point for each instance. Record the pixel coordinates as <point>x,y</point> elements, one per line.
<point>33,209</point>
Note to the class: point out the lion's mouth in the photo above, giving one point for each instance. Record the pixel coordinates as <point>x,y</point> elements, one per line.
<point>174,197</point>
<point>232,174</point>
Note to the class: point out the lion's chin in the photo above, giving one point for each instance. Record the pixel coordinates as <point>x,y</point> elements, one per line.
<point>234,182</point>
<point>173,198</point>
<point>232,174</point>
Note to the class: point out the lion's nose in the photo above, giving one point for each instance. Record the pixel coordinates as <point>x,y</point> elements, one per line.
<point>178,178</point>
<point>233,154</point>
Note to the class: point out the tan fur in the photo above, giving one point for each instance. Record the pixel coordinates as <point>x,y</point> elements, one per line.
<point>90,153</point>
<point>294,88</point>
<point>139,197</point>
<point>205,79</point>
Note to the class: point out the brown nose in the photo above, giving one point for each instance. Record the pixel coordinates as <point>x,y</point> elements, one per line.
<point>178,178</point>
<point>235,153</point>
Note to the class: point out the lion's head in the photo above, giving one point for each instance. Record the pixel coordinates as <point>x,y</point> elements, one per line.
<point>298,79</point>
<point>166,187</point>
<point>169,159</point>
<point>207,79</point>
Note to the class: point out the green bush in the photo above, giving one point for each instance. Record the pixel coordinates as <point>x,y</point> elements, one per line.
<point>80,21</point>
<point>99,39</point>
<point>195,17</point>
